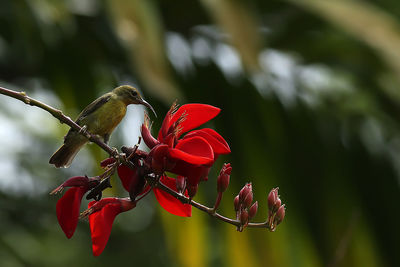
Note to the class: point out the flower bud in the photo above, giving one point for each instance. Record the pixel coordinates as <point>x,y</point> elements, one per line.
<point>244,191</point>
<point>280,214</point>
<point>192,190</point>
<point>148,139</point>
<point>253,210</point>
<point>224,177</point>
<point>272,196</point>
<point>180,184</point>
<point>244,217</point>
<point>236,203</point>
<point>248,199</point>
<point>277,205</point>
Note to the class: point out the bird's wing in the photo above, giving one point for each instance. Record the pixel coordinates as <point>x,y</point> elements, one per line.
<point>93,107</point>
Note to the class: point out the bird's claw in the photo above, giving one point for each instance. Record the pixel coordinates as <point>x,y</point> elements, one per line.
<point>83,130</point>
<point>120,157</point>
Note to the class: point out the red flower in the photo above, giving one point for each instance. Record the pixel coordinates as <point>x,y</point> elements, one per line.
<point>68,206</point>
<point>101,217</point>
<point>192,155</point>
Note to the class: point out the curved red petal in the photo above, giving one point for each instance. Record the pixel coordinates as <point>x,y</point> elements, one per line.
<point>197,146</point>
<point>148,139</point>
<point>196,115</point>
<point>165,125</point>
<point>177,154</point>
<point>126,175</point>
<point>195,150</point>
<point>101,224</point>
<point>170,203</point>
<point>68,209</point>
<point>217,142</point>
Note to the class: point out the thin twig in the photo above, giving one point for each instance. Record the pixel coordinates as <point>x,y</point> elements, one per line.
<point>209,211</point>
<point>58,114</point>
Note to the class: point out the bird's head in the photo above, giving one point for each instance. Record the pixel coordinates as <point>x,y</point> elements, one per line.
<point>130,95</point>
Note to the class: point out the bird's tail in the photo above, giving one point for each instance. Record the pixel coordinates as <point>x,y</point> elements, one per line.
<point>65,154</point>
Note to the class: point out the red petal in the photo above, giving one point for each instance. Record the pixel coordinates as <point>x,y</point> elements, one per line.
<point>217,142</point>
<point>126,175</point>
<point>195,150</point>
<point>177,154</point>
<point>165,125</point>
<point>148,139</point>
<point>196,115</point>
<point>101,224</point>
<point>68,209</point>
<point>197,146</point>
<point>170,203</point>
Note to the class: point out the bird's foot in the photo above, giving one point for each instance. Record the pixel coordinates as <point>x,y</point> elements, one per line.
<point>84,131</point>
<point>120,157</point>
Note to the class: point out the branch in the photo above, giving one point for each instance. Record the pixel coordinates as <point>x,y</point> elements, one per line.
<point>58,114</point>
<point>209,211</point>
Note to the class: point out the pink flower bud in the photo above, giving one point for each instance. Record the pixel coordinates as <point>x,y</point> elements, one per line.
<point>277,205</point>
<point>224,177</point>
<point>236,203</point>
<point>253,210</point>
<point>245,191</point>
<point>244,217</point>
<point>280,214</point>
<point>180,184</point>
<point>272,196</point>
<point>248,199</point>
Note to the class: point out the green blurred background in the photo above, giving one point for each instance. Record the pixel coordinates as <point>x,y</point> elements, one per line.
<point>309,91</point>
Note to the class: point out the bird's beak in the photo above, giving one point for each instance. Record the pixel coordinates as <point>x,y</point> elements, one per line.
<point>146,104</point>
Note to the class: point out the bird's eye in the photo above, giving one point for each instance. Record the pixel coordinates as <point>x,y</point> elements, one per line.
<point>133,93</point>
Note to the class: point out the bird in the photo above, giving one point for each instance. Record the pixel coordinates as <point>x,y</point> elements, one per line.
<point>99,118</point>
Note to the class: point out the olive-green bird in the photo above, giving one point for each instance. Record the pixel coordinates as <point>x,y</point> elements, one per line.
<point>100,118</point>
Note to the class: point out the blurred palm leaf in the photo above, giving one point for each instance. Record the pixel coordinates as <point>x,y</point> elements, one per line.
<point>138,25</point>
<point>366,22</point>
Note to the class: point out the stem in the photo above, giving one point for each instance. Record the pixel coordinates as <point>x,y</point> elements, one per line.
<point>217,201</point>
<point>209,211</point>
<point>58,114</point>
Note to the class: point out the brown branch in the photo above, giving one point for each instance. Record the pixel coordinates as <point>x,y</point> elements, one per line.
<point>58,114</point>
<point>209,211</point>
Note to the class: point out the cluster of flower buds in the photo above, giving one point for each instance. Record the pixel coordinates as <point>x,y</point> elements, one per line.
<point>276,211</point>
<point>245,211</point>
